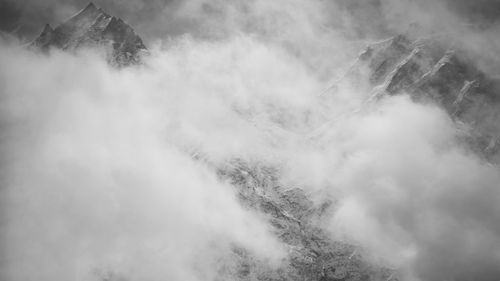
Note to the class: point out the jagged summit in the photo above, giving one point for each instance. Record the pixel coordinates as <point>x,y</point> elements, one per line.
<point>93,27</point>
<point>47,29</point>
<point>90,6</point>
<point>45,37</point>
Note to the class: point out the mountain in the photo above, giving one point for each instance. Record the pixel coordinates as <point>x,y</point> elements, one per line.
<point>299,223</point>
<point>92,27</point>
<point>431,70</point>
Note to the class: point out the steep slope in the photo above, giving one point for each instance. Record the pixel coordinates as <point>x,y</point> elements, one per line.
<point>431,70</point>
<point>92,27</point>
<point>297,221</point>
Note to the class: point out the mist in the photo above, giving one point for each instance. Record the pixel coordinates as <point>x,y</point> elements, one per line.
<point>112,174</point>
<point>91,181</point>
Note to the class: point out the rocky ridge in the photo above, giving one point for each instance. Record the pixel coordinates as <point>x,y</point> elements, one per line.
<point>297,221</point>
<point>433,71</point>
<point>92,27</point>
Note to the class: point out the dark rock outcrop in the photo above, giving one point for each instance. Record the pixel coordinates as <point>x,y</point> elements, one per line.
<point>92,27</point>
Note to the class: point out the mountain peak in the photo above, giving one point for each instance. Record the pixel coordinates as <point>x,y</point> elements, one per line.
<point>89,11</point>
<point>47,28</point>
<point>92,27</point>
<point>90,8</point>
<point>43,40</point>
<point>90,5</point>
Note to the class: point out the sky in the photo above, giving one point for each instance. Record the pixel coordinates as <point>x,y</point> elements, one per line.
<point>97,174</point>
<point>161,18</point>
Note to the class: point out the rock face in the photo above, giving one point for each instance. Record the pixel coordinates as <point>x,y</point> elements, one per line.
<point>432,71</point>
<point>92,27</point>
<point>297,222</point>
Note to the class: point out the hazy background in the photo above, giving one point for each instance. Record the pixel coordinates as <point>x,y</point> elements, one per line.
<point>97,174</point>
<point>160,18</point>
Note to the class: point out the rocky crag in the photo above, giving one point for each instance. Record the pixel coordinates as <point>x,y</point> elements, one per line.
<point>92,27</point>
<point>433,71</point>
<point>297,221</point>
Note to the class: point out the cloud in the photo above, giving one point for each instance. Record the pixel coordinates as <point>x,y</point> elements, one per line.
<point>410,193</point>
<point>94,177</point>
<point>99,172</point>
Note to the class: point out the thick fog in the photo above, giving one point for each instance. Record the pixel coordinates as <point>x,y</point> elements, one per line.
<point>109,171</point>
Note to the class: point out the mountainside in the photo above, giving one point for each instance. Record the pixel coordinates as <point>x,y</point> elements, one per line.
<point>432,71</point>
<point>297,222</point>
<point>93,27</point>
